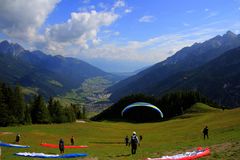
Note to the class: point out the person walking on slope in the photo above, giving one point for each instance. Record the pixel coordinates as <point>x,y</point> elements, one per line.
<point>205,132</point>
<point>134,143</point>
<point>61,146</point>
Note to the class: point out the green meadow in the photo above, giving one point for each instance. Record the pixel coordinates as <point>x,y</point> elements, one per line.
<point>106,139</point>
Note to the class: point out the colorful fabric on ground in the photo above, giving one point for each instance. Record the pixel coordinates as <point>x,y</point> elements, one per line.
<point>186,156</point>
<point>56,146</point>
<point>13,145</point>
<point>43,155</point>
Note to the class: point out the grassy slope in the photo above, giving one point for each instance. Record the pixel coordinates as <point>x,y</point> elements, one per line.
<point>164,138</point>
<point>201,108</point>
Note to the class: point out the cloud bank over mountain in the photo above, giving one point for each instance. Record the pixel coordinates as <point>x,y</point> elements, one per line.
<point>114,31</point>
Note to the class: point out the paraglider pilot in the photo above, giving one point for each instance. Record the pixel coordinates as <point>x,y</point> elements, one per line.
<point>134,143</point>
<point>17,138</point>
<point>72,140</point>
<point>61,146</point>
<point>205,132</point>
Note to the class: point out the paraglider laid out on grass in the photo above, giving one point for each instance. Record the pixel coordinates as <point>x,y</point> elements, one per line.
<point>56,146</point>
<point>42,155</point>
<point>13,145</point>
<point>199,153</point>
<point>142,111</point>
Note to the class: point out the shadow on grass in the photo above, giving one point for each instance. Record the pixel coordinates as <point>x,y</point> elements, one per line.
<point>107,142</point>
<point>121,155</point>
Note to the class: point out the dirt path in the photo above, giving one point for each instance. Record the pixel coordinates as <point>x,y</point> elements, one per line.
<point>5,133</point>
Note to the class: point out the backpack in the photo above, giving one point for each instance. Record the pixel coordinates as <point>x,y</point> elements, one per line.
<point>134,140</point>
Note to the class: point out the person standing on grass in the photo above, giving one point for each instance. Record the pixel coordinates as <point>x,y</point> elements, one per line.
<point>126,140</point>
<point>134,143</point>
<point>17,138</point>
<point>205,132</point>
<point>61,146</point>
<point>72,140</point>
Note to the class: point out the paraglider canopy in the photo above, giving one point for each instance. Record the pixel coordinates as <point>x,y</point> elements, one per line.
<point>142,111</point>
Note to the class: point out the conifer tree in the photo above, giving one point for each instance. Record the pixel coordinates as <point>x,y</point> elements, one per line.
<point>39,113</point>
<point>59,113</point>
<point>27,118</point>
<point>18,105</point>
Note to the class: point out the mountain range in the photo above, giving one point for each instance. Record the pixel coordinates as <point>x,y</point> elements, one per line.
<point>211,67</point>
<point>49,75</point>
<point>205,67</point>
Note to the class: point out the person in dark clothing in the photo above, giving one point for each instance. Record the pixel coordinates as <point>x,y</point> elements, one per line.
<point>72,140</point>
<point>134,143</point>
<point>205,132</point>
<point>126,140</point>
<point>140,138</point>
<point>61,146</point>
<point>17,138</point>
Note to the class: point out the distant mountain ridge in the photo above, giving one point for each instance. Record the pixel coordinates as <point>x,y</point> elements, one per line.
<point>219,79</point>
<point>184,60</point>
<point>51,75</point>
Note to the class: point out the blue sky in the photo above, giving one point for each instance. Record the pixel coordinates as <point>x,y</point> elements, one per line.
<point>117,36</point>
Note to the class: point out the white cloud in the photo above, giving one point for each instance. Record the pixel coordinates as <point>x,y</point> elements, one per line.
<point>190,11</point>
<point>154,49</point>
<point>118,4</point>
<point>111,33</point>
<point>146,19</point>
<point>82,35</point>
<point>103,6</point>
<point>186,24</point>
<point>238,8</point>
<point>86,1</point>
<point>128,10</point>
<point>151,51</point>
<point>87,8</point>
<point>21,19</point>
<point>81,28</point>
<point>212,14</point>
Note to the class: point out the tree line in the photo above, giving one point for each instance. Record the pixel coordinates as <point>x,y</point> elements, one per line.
<point>14,109</point>
<point>171,104</point>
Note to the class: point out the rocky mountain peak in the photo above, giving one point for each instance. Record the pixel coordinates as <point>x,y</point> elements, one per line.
<point>11,48</point>
<point>230,34</point>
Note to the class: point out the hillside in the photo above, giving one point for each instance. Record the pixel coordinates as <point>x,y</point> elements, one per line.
<point>186,59</point>
<point>46,74</point>
<point>219,80</point>
<point>200,108</point>
<point>163,138</point>
<point>171,105</point>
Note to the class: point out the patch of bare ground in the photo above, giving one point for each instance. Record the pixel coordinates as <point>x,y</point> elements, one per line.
<point>80,121</point>
<point>225,151</point>
<point>95,158</point>
<point>4,133</point>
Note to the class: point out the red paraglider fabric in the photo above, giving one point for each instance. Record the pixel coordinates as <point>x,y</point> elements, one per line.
<point>56,146</point>
<point>199,153</point>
